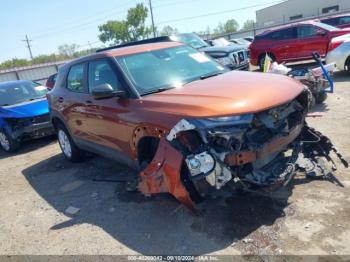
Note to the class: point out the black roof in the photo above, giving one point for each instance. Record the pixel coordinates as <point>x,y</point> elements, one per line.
<point>145,41</point>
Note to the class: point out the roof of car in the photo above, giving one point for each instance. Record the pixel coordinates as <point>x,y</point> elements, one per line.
<point>334,16</point>
<point>309,22</point>
<point>128,50</point>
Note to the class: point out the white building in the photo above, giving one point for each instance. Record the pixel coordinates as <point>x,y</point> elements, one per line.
<point>294,10</point>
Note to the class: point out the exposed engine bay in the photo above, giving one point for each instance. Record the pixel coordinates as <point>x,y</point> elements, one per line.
<point>259,151</point>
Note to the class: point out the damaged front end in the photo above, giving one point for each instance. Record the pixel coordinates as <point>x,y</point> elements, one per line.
<point>260,151</point>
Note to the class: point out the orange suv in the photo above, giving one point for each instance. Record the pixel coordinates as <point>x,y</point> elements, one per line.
<point>186,124</point>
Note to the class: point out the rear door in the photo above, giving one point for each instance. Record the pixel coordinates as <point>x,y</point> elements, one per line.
<point>312,39</point>
<point>283,44</point>
<point>75,95</point>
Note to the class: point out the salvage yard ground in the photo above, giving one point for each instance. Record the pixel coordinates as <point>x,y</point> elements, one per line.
<point>51,206</point>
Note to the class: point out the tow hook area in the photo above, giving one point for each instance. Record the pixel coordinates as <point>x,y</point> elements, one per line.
<point>259,153</point>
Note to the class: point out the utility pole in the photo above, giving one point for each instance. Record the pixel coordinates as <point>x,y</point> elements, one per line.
<point>29,47</point>
<point>153,27</point>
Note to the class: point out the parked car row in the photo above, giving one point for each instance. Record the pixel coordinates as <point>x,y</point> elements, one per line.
<point>296,42</point>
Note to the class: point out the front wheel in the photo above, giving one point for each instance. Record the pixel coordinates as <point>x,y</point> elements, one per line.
<point>70,151</point>
<point>7,143</point>
<point>347,65</point>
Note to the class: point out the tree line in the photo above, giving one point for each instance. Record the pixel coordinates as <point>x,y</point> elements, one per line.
<point>113,32</point>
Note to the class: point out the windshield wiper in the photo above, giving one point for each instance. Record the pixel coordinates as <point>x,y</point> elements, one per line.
<point>5,105</point>
<point>35,98</point>
<point>161,89</point>
<point>202,77</point>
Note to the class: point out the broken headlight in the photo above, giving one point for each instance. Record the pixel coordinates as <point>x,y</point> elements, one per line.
<point>16,123</point>
<point>225,61</point>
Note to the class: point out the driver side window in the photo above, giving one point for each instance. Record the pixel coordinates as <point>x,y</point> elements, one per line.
<point>100,72</point>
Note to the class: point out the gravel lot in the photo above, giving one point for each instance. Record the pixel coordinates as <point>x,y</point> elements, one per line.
<point>37,186</point>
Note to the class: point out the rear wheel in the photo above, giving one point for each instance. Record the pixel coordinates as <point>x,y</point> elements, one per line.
<point>7,143</point>
<point>68,147</point>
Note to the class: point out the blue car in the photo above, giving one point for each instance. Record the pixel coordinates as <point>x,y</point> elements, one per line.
<point>24,113</point>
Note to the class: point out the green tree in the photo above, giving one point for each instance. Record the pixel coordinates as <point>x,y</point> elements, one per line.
<point>168,30</point>
<point>14,62</point>
<point>132,29</point>
<point>67,50</point>
<point>229,26</point>
<point>248,25</point>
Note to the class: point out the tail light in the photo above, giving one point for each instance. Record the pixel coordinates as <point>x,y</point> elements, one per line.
<point>334,44</point>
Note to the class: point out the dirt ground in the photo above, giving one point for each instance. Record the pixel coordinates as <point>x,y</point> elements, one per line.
<point>37,185</point>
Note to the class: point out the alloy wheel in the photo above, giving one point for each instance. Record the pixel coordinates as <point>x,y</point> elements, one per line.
<point>65,143</point>
<point>4,142</point>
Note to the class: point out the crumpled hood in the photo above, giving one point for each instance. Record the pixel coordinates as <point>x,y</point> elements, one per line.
<point>232,93</point>
<point>27,109</point>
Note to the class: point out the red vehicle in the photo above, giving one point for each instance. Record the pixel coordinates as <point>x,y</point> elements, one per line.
<point>340,21</point>
<point>50,83</point>
<point>294,42</point>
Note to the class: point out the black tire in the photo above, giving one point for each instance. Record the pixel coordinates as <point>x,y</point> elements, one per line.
<point>347,65</point>
<point>65,141</point>
<point>8,144</point>
<point>320,97</point>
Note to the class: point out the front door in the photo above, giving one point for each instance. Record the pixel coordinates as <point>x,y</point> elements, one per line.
<point>105,116</point>
<point>312,39</point>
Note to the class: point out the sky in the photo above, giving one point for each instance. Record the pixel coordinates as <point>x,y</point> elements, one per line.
<point>50,23</point>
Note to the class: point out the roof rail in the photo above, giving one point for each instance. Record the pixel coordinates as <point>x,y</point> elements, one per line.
<point>145,41</point>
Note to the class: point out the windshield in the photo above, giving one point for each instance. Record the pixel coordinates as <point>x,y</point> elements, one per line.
<point>326,27</point>
<point>221,42</point>
<point>167,68</point>
<point>190,39</point>
<point>15,93</point>
<point>241,41</point>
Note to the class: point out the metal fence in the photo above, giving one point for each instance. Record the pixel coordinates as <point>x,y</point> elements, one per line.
<point>39,73</point>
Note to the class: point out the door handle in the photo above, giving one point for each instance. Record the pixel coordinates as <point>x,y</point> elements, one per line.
<point>88,102</point>
<point>60,99</point>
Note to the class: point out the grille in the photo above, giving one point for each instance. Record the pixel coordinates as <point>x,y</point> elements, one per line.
<point>239,57</point>
<point>40,119</point>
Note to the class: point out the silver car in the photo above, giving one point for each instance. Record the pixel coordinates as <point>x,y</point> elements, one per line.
<point>340,55</point>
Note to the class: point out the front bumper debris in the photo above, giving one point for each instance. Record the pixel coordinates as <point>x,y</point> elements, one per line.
<point>259,153</point>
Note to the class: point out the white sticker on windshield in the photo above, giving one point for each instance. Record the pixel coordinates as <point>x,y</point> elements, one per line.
<point>200,58</point>
<point>40,88</point>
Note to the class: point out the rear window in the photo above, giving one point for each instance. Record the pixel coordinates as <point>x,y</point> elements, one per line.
<point>75,79</point>
<point>283,34</point>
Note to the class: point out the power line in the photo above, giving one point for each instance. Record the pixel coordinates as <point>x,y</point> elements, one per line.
<point>111,12</point>
<point>29,47</point>
<point>216,13</point>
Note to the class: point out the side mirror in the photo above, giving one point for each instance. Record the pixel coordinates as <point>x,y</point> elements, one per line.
<point>105,91</point>
<point>321,32</point>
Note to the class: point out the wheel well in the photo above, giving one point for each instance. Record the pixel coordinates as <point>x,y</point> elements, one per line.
<point>347,64</point>
<point>147,148</point>
<point>55,121</point>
